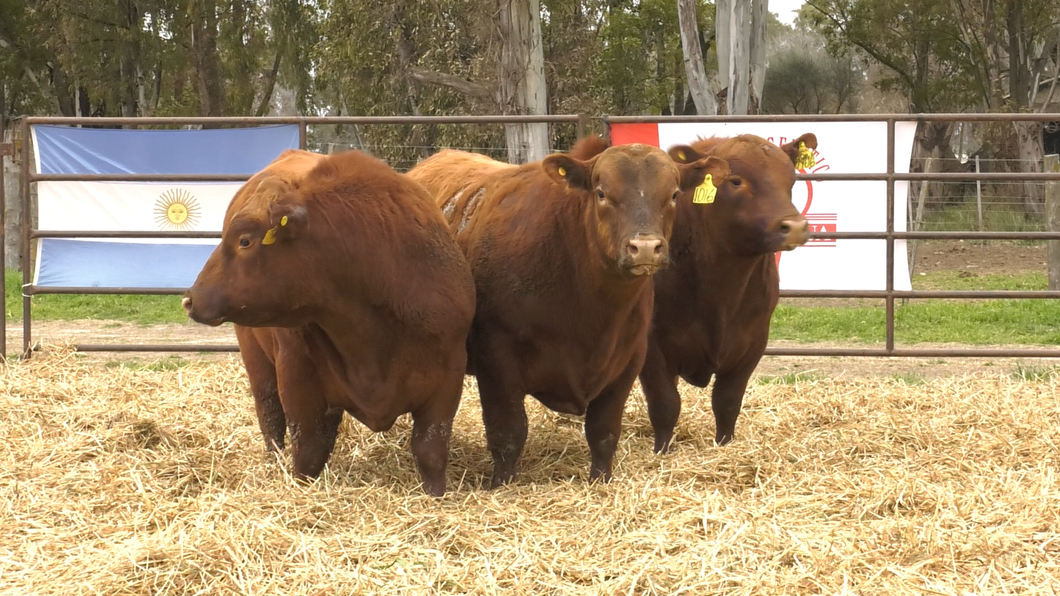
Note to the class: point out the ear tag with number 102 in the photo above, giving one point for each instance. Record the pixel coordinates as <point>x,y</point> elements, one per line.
<point>705,192</point>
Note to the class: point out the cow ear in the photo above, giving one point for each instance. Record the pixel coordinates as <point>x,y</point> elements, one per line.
<point>684,154</point>
<point>801,151</point>
<point>564,169</point>
<point>287,221</point>
<point>695,173</point>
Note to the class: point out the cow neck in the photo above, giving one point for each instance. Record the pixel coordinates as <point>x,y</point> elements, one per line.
<point>723,274</point>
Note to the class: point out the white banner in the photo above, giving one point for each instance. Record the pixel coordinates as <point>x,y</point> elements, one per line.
<point>831,206</point>
<point>136,207</point>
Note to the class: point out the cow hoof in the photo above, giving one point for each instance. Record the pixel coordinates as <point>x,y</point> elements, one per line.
<point>500,480</point>
<point>662,447</point>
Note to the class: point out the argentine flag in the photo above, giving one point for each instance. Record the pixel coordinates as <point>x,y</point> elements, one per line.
<point>139,206</point>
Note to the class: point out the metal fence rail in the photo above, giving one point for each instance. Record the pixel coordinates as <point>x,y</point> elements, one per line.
<point>889,295</point>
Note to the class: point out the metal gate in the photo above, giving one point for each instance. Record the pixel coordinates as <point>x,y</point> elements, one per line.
<point>889,295</point>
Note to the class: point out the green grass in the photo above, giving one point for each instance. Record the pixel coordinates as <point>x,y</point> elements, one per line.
<point>956,280</point>
<point>936,321</point>
<point>1033,322</point>
<point>789,378</point>
<point>995,219</point>
<point>1035,373</point>
<point>55,307</point>
<point>909,378</point>
<point>159,365</point>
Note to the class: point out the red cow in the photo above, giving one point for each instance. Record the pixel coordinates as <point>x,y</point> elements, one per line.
<point>714,303</point>
<point>348,295</point>
<point>562,253</point>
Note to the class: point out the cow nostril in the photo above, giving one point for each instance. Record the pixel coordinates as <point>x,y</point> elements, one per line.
<point>633,249</point>
<point>658,249</point>
<point>785,227</point>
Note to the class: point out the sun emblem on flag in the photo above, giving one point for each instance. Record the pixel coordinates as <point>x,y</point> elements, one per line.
<point>176,210</point>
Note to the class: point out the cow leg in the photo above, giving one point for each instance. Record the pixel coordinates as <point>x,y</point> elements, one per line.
<point>262,375</point>
<point>313,432</point>
<point>312,424</point>
<point>727,399</point>
<point>662,397</point>
<point>504,416</point>
<point>603,422</point>
<point>431,429</point>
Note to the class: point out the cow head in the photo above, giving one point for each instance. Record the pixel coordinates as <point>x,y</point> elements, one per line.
<point>259,273</point>
<point>751,212</point>
<point>631,194</point>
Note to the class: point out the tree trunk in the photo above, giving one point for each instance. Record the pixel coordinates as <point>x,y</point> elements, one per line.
<point>741,31</point>
<point>132,95</point>
<point>64,93</point>
<point>406,51</point>
<point>722,17</point>
<point>739,57</point>
<point>759,17</point>
<point>522,78</point>
<point>270,85</point>
<point>127,93</point>
<point>12,208</point>
<point>1029,139</point>
<point>695,71</point>
<point>207,61</point>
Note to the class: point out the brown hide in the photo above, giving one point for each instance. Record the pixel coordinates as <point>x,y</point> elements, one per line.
<point>348,294</point>
<point>713,305</point>
<point>564,293</point>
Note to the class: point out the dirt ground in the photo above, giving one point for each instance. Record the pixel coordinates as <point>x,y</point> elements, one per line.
<point>995,257</point>
<point>988,257</point>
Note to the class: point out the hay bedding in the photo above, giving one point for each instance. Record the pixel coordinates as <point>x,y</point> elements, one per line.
<point>125,481</point>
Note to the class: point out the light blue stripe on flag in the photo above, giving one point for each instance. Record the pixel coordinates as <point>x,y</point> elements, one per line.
<point>70,150</point>
<point>103,206</point>
<point>69,263</point>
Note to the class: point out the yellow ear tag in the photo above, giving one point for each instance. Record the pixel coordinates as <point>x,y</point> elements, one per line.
<point>805,159</point>
<point>562,171</point>
<point>270,237</point>
<point>705,192</point>
<point>681,155</point>
<point>283,220</point>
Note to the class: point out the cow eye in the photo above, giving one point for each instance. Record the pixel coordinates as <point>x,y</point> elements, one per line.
<point>600,194</point>
<point>244,242</point>
<point>736,181</point>
<point>673,198</point>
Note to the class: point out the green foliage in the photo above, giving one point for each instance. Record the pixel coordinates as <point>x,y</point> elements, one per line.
<point>915,40</point>
<point>640,68</point>
<point>154,57</point>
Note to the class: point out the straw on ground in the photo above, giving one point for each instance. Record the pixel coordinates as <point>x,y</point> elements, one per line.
<point>126,480</point>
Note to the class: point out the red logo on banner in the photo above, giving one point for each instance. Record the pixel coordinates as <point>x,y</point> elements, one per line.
<point>821,223</point>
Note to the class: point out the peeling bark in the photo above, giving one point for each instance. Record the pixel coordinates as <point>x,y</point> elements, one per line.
<point>522,78</point>
<point>695,71</point>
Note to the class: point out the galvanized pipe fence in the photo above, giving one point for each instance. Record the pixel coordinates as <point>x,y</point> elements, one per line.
<point>890,295</point>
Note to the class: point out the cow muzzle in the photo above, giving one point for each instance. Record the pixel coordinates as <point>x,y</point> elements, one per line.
<point>196,312</point>
<point>645,254</point>
<point>794,233</point>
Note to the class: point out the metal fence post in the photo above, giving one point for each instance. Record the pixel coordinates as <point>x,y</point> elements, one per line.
<point>1052,220</point>
<point>27,215</point>
<point>4,150</point>
<point>889,315</point>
